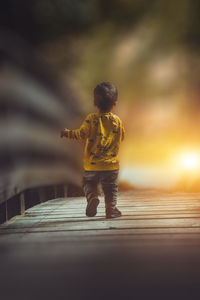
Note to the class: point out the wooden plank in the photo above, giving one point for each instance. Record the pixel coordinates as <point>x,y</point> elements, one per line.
<point>165,233</point>
<point>22,203</point>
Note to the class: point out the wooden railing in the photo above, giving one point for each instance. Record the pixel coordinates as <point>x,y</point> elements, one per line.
<point>35,164</point>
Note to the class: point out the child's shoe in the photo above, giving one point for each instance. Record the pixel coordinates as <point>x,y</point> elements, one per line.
<point>113,213</point>
<point>91,209</point>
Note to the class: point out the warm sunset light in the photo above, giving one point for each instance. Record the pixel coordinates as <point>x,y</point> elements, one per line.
<point>189,160</point>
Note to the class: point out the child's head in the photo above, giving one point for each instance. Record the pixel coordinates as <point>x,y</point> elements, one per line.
<point>105,96</point>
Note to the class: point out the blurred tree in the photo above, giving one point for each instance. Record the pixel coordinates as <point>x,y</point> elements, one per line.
<point>42,20</point>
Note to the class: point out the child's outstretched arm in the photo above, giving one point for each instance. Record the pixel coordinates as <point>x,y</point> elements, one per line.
<point>78,134</point>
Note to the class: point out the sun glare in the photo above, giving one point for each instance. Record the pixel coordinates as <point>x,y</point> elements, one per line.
<point>189,160</point>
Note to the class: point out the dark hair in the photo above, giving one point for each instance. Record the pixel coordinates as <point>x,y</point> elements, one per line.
<point>107,96</point>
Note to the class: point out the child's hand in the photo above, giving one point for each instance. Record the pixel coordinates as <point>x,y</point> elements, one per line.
<point>63,133</point>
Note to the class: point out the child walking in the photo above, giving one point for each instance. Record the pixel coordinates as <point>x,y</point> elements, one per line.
<point>102,133</point>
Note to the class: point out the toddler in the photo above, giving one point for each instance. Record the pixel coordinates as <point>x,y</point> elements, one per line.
<point>102,133</point>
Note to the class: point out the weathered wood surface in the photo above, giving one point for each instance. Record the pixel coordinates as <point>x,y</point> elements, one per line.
<point>152,251</point>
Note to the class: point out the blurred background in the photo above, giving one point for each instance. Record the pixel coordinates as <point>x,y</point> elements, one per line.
<point>149,49</point>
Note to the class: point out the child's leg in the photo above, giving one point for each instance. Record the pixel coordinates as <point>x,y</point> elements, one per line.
<point>90,187</point>
<point>109,181</point>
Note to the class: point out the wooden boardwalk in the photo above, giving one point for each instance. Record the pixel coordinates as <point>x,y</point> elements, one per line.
<point>55,252</point>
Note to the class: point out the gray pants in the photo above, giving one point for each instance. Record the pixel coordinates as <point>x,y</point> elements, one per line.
<point>109,182</point>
